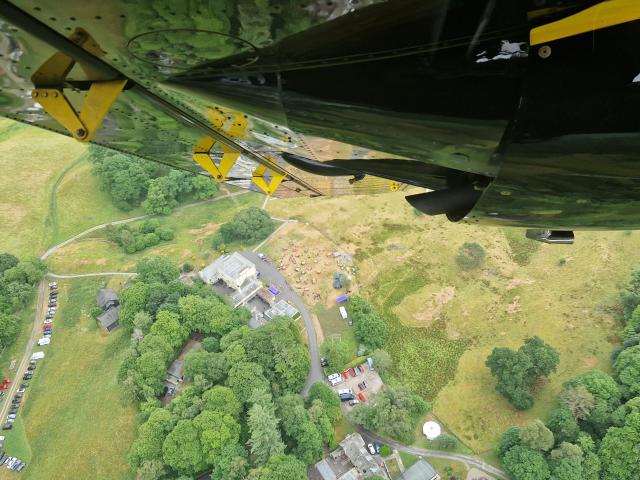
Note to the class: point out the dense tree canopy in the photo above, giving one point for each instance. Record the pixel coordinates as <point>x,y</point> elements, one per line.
<point>523,463</point>
<point>536,436</point>
<point>369,327</point>
<point>517,371</point>
<point>392,411</point>
<point>156,269</point>
<point>248,226</point>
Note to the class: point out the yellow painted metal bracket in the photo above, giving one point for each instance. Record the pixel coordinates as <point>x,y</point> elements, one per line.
<point>265,178</point>
<point>97,103</point>
<point>48,92</point>
<point>605,14</point>
<point>259,179</point>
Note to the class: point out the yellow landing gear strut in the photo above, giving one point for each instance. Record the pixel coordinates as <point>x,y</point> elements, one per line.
<point>219,172</point>
<point>48,91</point>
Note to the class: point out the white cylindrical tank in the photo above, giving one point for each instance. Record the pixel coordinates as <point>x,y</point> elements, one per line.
<point>431,430</point>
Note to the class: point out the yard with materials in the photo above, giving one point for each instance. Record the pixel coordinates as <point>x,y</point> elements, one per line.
<point>445,321</point>
<point>72,423</point>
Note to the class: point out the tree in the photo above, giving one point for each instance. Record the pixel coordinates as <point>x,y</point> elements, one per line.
<point>206,315</point>
<point>509,439</point>
<point>470,256</point>
<point>536,436</point>
<point>168,325</point>
<point>619,450</point>
<point>381,360</point>
<point>161,196</point>
<point>544,358</point>
<point>151,370</point>
<point>156,269</point>
<point>246,377</point>
<point>151,470</point>
<point>182,449</point>
<point>142,321</point>
<point>282,467</point>
<point>151,434</point>
<point>124,178</point>
<point>204,187</point>
<point>591,465</point>
<point>337,352</point>
<point>563,425</point>
<point>222,399</point>
<point>392,411</point>
<point>133,299</point>
<point>369,327</point>
<point>567,451</point>
<point>308,443</point>
<point>330,401</point>
<point>579,401</point>
<point>156,343</point>
<point>264,438</point>
<point>248,226</point>
<point>212,366</point>
<point>211,344</point>
<point>630,296</point>
<point>627,371</point>
<point>217,430</point>
<point>511,369</point>
<point>9,329</point>
<point>7,261</point>
<point>522,463</point>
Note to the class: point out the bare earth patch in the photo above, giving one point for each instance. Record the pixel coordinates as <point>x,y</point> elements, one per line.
<point>431,307</point>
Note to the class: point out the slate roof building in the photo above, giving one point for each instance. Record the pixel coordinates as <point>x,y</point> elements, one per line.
<point>421,470</point>
<point>350,461</point>
<point>237,273</point>
<point>109,319</point>
<point>107,300</point>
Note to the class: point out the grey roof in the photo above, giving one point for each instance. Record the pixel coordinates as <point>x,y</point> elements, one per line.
<point>355,450</point>
<point>176,369</point>
<point>325,470</point>
<point>231,265</point>
<point>282,308</point>
<point>105,296</point>
<point>421,470</point>
<point>109,319</point>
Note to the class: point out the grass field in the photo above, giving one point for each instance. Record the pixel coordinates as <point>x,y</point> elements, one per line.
<point>31,160</point>
<point>72,424</point>
<point>444,321</point>
<point>194,227</point>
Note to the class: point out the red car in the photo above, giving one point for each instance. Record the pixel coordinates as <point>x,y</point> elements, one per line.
<point>4,386</point>
<point>345,375</point>
<point>362,397</point>
<point>352,372</point>
<point>6,381</point>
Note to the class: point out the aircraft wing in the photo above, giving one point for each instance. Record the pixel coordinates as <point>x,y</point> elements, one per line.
<point>505,113</point>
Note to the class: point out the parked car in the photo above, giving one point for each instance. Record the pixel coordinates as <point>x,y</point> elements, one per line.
<point>346,397</point>
<point>336,381</point>
<point>344,390</point>
<point>53,284</point>
<point>324,362</point>
<point>361,397</point>
<point>31,367</point>
<point>352,372</point>
<point>353,402</point>
<point>332,376</point>
<point>21,391</point>
<point>12,416</point>
<point>24,385</point>
<point>371,448</point>
<point>345,375</point>
<point>27,376</point>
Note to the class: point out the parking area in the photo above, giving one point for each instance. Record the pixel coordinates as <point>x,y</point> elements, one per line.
<point>362,381</point>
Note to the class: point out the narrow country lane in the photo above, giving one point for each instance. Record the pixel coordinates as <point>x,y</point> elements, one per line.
<point>22,366</point>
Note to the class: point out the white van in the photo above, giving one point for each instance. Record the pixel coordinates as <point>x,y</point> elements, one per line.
<point>44,341</point>
<point>345,391</point>
<point>37,356</point>
<point>343,313</point>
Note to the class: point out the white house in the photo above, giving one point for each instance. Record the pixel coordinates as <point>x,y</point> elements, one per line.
<point>237,273</point>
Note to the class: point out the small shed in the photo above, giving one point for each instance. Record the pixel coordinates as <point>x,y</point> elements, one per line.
<point>109,319</point>
<point>107,298</point>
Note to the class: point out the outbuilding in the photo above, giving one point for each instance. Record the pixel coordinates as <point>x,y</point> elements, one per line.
<point>109,319</point>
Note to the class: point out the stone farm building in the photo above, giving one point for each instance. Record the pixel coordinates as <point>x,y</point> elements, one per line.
<point>108,301</point>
